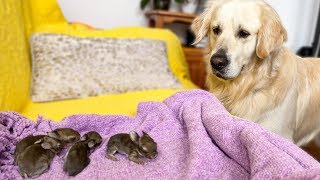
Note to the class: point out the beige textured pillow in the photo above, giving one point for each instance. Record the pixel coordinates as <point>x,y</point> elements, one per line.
<point>67,67</point>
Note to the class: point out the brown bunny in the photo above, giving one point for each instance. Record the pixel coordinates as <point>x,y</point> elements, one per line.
<point>66,135</point>
<point>132,145</point>
<point>36,159</point>
<point>77,157</point>
<point>23,144</point>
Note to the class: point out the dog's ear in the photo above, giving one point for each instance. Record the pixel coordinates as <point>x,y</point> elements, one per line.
<point>201,24</point>
<point>200,27</point>
<point>272,34</point>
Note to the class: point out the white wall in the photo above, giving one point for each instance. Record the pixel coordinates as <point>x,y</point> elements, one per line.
<point>298,16</point>
<point>104,13</point>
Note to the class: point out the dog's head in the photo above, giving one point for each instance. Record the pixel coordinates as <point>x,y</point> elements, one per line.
<point>238,31</point>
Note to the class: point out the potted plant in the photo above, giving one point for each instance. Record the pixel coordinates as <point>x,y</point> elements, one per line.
<point>157,4</point>
<point>189,6</point>
<point>175,5</point>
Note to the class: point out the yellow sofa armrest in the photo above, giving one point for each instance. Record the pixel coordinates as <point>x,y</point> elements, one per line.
<point>14,57</point>
<point>41,12</point>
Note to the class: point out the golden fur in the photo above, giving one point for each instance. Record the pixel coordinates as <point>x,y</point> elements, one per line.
<point>275,88</point>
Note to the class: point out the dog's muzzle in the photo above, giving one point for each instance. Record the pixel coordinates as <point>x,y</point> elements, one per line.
<point>219,61</point>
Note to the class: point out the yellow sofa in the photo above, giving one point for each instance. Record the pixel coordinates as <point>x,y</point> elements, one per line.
<point>20,18</point>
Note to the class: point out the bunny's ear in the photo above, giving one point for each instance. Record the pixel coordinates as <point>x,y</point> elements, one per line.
<point>84,137</point>
<point>53,135</point>
<point>46,145</point>
<point>91,144</point>
<point>39,141</point>
<point>145,134</point>
<point>134,136</point>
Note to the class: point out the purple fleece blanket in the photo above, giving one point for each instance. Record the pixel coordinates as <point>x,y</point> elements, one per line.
<point>196,137</point>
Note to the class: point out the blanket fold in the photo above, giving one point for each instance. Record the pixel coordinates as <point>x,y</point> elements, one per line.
<point>197,139</point>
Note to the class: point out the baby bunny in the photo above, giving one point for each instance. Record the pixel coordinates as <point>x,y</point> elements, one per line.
<point>77,157</point>
<point>133,146</point>
<point>66,135</point>
<point>36,159</point>
<point>23,144</point>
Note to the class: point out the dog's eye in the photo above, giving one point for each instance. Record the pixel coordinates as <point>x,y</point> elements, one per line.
<point>243,34</point>
<point>216,30</point>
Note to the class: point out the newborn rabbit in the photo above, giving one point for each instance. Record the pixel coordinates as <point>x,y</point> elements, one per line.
<point>36,159</point>
<point>66,135</point>
<point>133,146</point>
<point>77,157</point>
<point>23,144</point>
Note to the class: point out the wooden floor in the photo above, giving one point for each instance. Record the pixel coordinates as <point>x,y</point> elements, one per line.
<point>313,150</point>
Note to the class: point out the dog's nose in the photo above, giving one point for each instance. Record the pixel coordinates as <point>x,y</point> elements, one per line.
<point>219,60</point>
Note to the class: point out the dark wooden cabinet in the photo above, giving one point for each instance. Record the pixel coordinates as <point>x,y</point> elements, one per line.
<point>195,57</point>
<point>196,61</point>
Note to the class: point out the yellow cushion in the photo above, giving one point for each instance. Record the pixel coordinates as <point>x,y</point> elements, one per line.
<point>126,103</point>
<point>176,57</point>
<point>14,57</point>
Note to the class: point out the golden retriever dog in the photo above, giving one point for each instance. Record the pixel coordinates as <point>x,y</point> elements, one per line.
<point>253,74</point>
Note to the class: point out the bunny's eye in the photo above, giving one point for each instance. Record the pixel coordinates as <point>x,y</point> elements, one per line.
<point>145,149</point>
